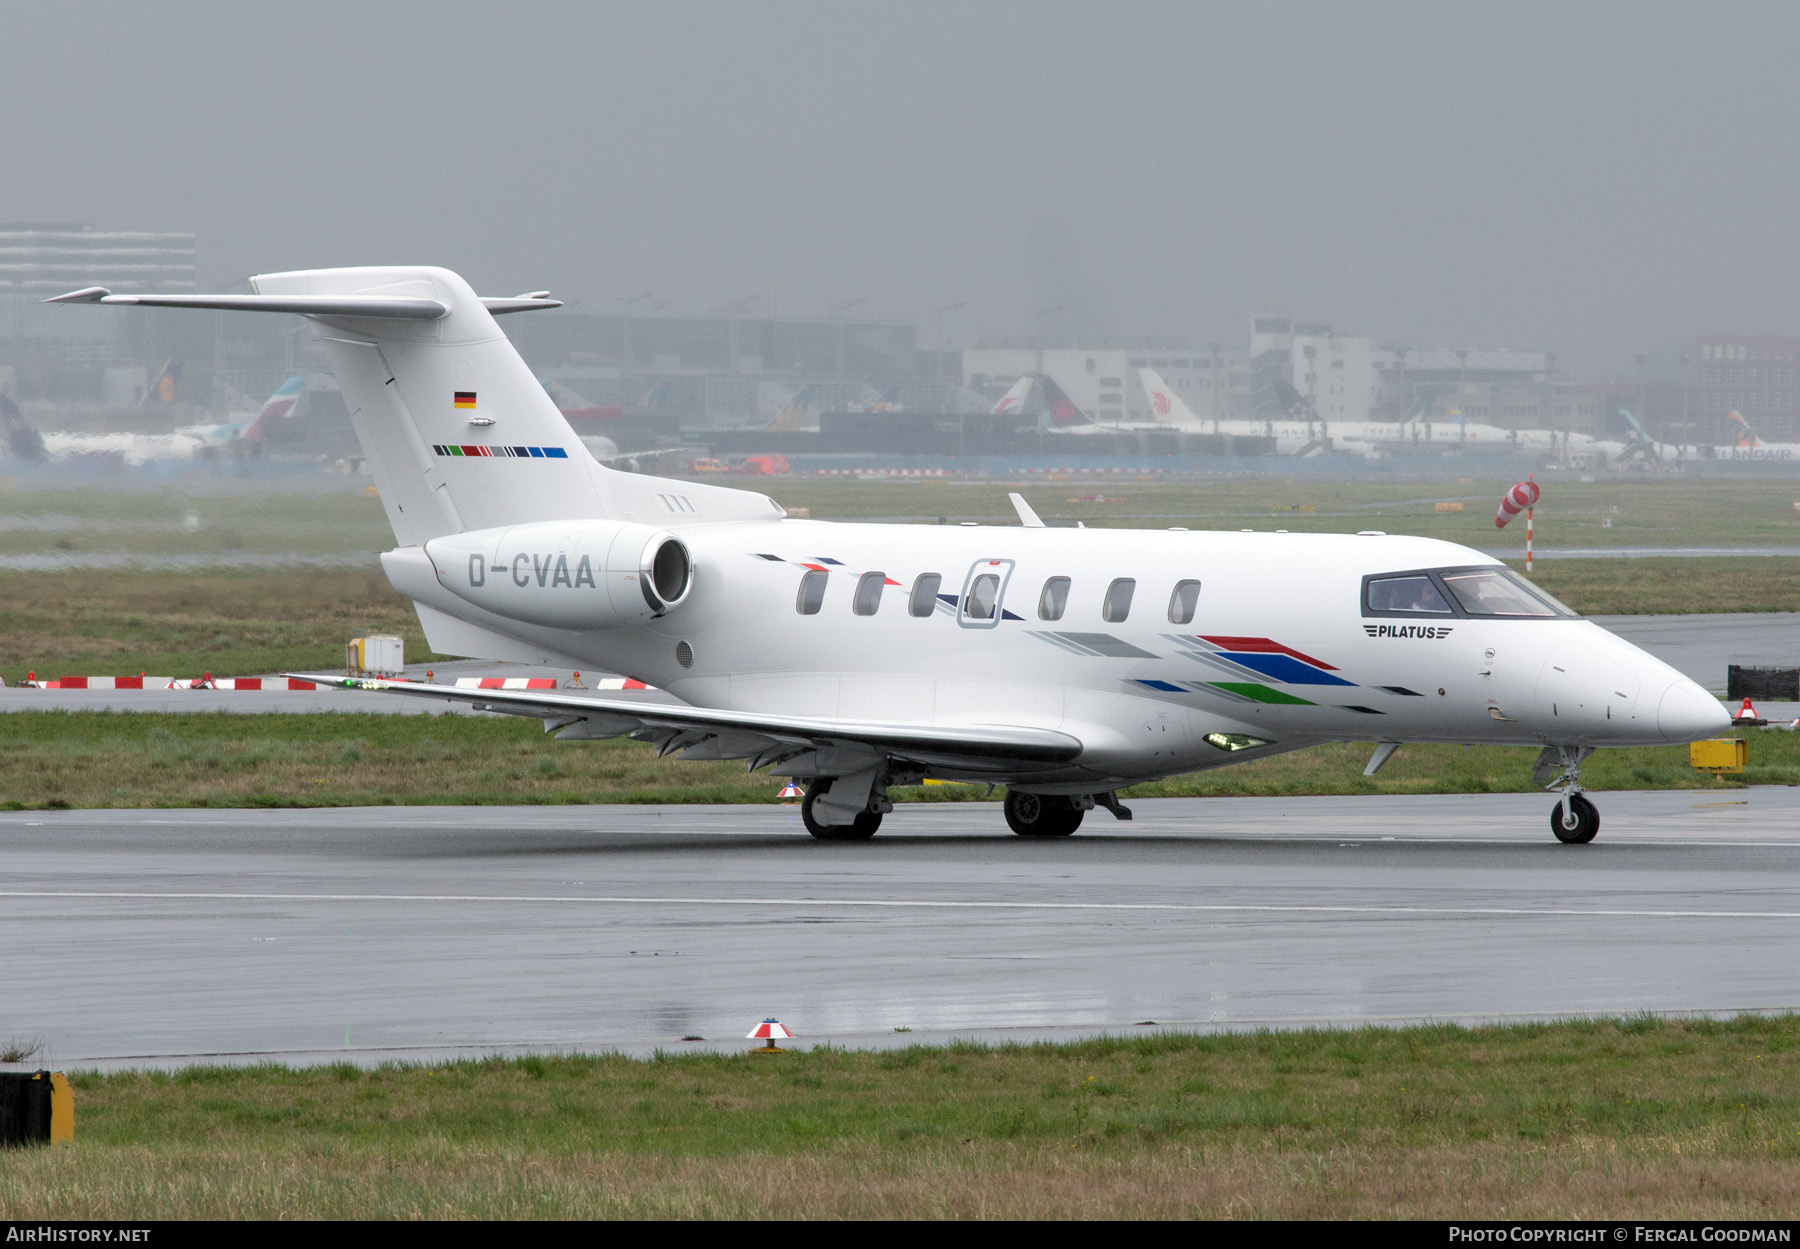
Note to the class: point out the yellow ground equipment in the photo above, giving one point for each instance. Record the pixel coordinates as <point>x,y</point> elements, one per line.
<point>1724,754</point>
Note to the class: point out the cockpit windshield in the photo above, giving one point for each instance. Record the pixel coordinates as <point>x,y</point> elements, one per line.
<point>1500,592</point>
<point>1487,591</point>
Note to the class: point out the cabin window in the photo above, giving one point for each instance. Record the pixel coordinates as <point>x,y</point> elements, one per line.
<point>1118,600</point>
<point>868,593</point>
<point>984,592</point>
<point>1417,593</point>
<point>812,593</point>
<point>923,599</point>
<point>1500,592</point>
<point>1054,599</point>
<point>1183,602</point>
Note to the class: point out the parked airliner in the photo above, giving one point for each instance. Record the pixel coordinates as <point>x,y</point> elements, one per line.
<point>1063,664</point>
<point>1374,439</point>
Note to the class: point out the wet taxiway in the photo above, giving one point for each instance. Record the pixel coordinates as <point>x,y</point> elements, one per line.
<point>161,937</point>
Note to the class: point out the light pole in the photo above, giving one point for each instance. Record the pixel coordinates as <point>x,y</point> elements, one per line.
<point>1218,386</point>
<point>838,311</point>
<point>1643,414</point>
<point>737,310</point>
<point>1037,336</point>
<point>1462,387</point>
<point>1550,397</point>
<point>1684,361</point>
<point>625,355</point>
<point>940,310</point>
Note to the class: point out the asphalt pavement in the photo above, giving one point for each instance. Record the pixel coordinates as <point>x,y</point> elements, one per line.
<point>157,938</point>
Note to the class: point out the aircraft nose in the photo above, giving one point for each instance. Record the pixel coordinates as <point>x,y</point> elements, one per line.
<point>1688,713</point>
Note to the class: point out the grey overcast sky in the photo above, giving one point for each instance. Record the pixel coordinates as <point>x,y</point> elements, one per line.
<point>1599,179</point>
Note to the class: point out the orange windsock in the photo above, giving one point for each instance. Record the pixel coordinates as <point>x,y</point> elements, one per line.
<point>1515,501</point>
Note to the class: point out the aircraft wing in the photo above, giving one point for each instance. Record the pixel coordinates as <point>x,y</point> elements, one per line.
<point>717,734</point>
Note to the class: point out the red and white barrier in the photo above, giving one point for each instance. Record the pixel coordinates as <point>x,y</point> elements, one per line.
<point>542,683</point>
<point>168,683</point>
<point>272,684</point>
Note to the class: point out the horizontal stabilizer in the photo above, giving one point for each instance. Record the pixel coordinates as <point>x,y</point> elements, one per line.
<point>311,305</point>
<point>305,305</point>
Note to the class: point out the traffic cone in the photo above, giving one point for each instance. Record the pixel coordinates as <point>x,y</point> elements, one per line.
<point>790,792</point>
<point>1747,715</point>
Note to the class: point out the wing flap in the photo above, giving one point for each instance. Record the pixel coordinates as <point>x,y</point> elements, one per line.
<point>678,726</point>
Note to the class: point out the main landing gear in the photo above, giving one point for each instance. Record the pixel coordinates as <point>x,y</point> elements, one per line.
<point>1029,815</point>
<point>860,829</point>
<point>1042,815</point>
<point>1056,815</point>
<point>1574,820</point>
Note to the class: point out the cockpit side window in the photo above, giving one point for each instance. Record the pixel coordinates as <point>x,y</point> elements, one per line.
<point>1413,593</point>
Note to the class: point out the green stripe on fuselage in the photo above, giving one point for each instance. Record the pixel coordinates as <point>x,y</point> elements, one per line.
<point>1260,693</point>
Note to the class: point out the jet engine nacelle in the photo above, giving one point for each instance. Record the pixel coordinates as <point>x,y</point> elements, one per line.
<point>588,574</point>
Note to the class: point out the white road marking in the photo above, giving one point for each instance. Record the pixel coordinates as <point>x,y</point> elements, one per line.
<point>904,903</point>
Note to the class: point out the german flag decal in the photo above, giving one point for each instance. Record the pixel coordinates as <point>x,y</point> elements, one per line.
<point>465,398</point>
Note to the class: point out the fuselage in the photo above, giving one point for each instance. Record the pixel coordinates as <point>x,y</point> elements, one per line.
<point>1282,650</point>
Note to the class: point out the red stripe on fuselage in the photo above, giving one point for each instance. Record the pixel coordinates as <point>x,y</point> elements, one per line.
<point>1265,646</point>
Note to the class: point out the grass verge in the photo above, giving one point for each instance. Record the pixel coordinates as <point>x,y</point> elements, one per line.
<point>229,623</point>
<point>1612,1119</point>
<point>121,759</point>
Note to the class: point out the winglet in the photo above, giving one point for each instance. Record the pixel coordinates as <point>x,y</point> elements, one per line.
<point>1027,517</point>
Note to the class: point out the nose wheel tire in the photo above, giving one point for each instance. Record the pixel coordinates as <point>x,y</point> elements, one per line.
<point>1041,815</point>
<point>862,828</point>
<point>1586,820</point>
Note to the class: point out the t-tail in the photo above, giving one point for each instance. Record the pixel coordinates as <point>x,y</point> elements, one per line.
<point>457,433</point>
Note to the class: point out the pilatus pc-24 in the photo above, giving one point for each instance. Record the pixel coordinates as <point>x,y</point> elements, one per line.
<point>1063,664</point>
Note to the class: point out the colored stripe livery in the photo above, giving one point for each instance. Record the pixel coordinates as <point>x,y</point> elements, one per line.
<point>466,450</point>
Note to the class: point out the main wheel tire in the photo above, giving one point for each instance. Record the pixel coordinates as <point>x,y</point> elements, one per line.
<point>1041,815</point>
<point>860,829</point>
<point>1587,821</point>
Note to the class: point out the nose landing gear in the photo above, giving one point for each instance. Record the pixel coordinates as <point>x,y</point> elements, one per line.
<point>1574,820</point>
<point>1578,824</point>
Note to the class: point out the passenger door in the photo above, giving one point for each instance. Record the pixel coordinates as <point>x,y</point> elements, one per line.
<point>982,604</point>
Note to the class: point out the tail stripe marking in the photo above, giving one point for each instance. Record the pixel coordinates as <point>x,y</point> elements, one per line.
<point>468,450</point>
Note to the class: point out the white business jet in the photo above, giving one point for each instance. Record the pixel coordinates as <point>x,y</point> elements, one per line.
<point>1063,664</point>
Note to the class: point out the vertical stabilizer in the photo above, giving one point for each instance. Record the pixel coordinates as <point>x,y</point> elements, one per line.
<point>1746,437</point>
<point>1165,405</point>
<point>1058,407</point>
<point>1013,400</point>
<point>458,433</point>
